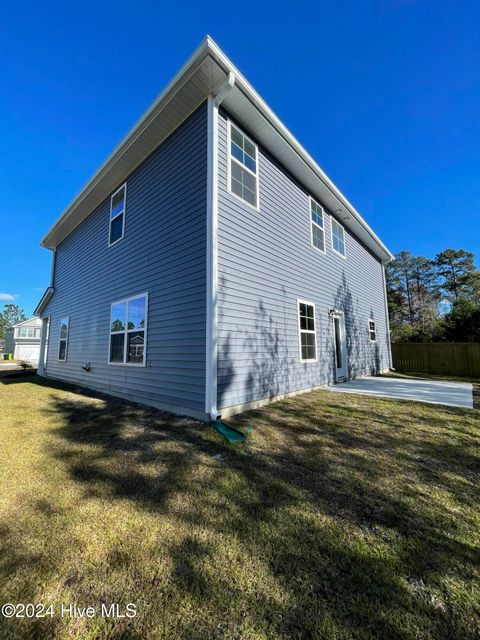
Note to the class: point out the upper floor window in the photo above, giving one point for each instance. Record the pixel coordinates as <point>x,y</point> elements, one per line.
<point>243,167</point>
<point>128,326</point>
<point>317,225</point>
<point>63,341</point>
<point>338,237</point>
<point>24,332</point>
<point>117,214</point>
<point>372,331</point>
<point>306,325</point>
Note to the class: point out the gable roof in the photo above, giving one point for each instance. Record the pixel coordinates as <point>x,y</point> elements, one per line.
<point>203,73</point>
<point>35,322</point>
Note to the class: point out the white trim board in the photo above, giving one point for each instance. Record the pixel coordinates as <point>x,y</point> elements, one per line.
<point>127,331</point>
<point>211,368</point>
<point>200,77</point>
<point>312,224</point>
<point>230,158</point>
<point>123,213</point>
<point>300,331</point>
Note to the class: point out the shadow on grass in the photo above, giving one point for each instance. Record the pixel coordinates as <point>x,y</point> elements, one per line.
<point>334,503</point>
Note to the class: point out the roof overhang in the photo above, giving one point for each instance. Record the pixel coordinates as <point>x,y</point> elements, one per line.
<point>202,75</point>
<point>34,319</point>
<point>48,293</point>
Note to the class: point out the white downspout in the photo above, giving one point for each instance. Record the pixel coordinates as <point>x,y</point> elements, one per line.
<point>387,319</point>
<point>212,246</point>
<point>42,359</point>
<point>41,370</point>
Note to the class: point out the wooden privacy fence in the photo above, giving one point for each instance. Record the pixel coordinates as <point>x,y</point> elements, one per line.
<point>453,358</point>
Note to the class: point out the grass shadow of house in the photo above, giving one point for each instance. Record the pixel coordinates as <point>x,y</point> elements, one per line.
<point>306,496</point>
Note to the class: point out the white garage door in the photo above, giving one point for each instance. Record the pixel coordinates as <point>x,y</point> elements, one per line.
<point>28,352</point>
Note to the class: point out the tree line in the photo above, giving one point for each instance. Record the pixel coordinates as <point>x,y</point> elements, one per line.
<point>428,300</point>
<point>10,315</point>
<point>434,300</point>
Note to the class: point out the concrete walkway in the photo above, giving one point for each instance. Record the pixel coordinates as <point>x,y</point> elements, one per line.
<point>453,394</point>
<point>9,368</point>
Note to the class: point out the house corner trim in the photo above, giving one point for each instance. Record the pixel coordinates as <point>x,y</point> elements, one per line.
<point>213,104</point>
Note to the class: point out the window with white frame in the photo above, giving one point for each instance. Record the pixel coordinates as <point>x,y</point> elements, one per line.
<point>317,225</point>
<point>63,340</point>
<point>117,214</point>
<point>24,332</point>
<point>306,324</point>
<point>338,237</point>
<point>372,331</point>
<point>243,167</point>
<point>128,326</point>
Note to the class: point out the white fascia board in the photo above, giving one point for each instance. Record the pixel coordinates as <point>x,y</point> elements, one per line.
<point>129,139</point>
<point>209,48</point>
<point>243,84</point>
<point>35,321</point>
<point>43,301</point>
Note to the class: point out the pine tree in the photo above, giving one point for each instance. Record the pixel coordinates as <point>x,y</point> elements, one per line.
<point>455,269</point>
<point>11,314</point>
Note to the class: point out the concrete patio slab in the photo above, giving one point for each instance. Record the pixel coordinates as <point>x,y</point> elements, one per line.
<point>452,394</point>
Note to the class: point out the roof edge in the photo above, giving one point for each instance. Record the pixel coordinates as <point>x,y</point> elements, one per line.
<point>126,141</point>
<point>209,47</point>
<point>275,121</point>
<point>47,294</point>
<point>19,324</point>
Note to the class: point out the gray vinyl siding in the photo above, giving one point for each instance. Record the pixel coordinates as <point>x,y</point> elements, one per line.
<point>163,253</point>
<point>266,262</point>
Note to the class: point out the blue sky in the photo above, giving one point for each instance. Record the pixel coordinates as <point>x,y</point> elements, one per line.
<point>384,95</point>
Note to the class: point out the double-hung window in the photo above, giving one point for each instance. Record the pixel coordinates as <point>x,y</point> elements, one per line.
<point>117,215</point>
<point>306,326</point>
<point>63,341</point>
<point>372,331</point>
<point>243,167</point>
<point>338,237</point>
<point>317,225</point>
<point>128,331</point>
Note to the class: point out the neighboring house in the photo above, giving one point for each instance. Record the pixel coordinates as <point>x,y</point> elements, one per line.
<point>210,265</point>
<point>23,340</point>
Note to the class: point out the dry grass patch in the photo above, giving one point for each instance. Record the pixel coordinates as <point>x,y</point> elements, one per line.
<point>341,517</point>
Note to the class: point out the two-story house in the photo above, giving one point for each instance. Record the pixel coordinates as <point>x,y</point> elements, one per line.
<point>22,340</point>
<point>210,265</point>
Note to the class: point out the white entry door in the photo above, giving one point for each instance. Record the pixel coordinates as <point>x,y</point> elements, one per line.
<point>340,345</point>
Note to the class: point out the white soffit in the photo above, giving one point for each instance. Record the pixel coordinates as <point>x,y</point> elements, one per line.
<point>201,75</point>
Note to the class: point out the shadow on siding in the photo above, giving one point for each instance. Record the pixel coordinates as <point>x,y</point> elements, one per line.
<point>363,357</point>
<point>270,365</point>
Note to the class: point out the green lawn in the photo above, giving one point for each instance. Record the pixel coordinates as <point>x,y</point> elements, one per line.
<point>341,517</point>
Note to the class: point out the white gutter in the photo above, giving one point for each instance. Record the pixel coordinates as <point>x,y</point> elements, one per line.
<point>135,132</point>
<point>212,247</point>
<point>52,267</point>
<point>42,363</point>
<point>93,189</point>
<point>250,93</point>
